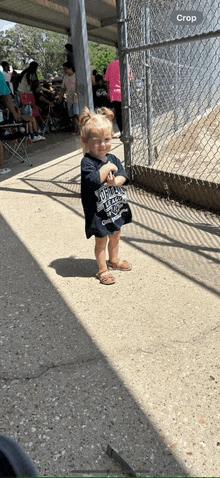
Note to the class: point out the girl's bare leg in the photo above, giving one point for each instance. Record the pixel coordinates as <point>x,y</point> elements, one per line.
<point>113,246</point>
<point>100,246</point>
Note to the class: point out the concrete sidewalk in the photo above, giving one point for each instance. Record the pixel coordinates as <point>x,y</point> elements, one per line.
<point>134,365</point>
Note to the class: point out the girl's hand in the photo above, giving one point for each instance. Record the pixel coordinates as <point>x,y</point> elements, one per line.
<point>112,168</point>
<point>106,171</point>
<point>110,180</point>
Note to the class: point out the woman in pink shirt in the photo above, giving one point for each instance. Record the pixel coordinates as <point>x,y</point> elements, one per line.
<point>113,82</point>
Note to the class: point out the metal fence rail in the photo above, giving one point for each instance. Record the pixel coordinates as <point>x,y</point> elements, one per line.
<point>171,109</point>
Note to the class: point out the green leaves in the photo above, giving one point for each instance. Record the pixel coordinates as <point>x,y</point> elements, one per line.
<point>101,56</point>
<point>21,45</point>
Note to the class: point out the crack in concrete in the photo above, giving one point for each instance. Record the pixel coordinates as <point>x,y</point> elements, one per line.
<point>199,338</point>
<point>53,366</point>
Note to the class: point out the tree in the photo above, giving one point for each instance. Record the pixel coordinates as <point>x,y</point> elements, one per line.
<point>101,56</point>
<point>21,45</point>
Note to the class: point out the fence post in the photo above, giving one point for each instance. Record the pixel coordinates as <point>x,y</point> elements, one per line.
<point>125,83</point>
<point>176,89</point>
<point>149,87</point>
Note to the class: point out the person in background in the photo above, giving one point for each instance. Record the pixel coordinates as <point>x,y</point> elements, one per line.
<point>14,80</point>
<point>27,78</point>
<point>43,100</point>
<point>94,73</point>
<point>5,101</point>
<point>6,69</point>
<point>113,83</point>
<point>56,77</point>
<point>69,87</point>
<point>69,54</point>
<point>100,94</point>
<point>103,76</point>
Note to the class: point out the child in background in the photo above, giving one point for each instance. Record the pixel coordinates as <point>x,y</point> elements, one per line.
<point>100,94</point>
<point>69,86</point>
<point>104,202</point>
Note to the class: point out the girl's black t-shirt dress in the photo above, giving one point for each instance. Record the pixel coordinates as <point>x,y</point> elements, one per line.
<point>106,207</point>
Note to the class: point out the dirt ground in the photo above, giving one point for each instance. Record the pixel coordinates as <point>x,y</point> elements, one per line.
<point>194,151</point>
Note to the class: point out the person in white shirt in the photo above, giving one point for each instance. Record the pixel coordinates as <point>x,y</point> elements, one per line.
<point>69,86</point>
<point>27,77</point>
<point>26,83</point>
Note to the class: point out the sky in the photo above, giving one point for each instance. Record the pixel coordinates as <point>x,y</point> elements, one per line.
<point>4,25</point>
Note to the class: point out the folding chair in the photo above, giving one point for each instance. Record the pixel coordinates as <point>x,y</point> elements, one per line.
<point>43,123</point>
<point>28,98</point>
<point>14,140</point>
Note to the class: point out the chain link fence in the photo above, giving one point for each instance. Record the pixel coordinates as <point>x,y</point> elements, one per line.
<point>174,98</point>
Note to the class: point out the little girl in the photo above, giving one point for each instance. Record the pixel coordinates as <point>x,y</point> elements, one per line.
<point>104,202</point>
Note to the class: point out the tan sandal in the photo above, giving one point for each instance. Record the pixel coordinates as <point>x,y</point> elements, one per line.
<point>105,277</point>
<point>120,265</point>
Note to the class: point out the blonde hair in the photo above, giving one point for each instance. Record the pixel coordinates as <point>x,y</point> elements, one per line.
<point>91,123</point>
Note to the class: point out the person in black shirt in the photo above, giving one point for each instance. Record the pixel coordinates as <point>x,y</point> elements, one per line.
<point>43,99</point>
<point>103,198</point>
<point>69,54</point>
<point>100,94</point>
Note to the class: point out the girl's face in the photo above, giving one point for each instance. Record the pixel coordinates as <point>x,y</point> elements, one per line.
<point>99,143</point>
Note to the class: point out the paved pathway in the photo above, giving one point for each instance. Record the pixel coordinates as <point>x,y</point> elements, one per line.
<point>134,365</point>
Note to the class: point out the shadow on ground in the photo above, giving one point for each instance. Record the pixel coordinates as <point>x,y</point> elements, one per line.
<point>73,267</point>
<point>60,398</point>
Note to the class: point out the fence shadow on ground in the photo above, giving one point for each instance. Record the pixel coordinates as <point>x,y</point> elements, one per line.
<point>61,399</point>
<point>184,239</point>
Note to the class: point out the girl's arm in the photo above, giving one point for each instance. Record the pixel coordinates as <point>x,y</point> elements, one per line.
<point>115,180</point>
<point>120,177</point>
<point>106,169</point>
<point>95,176</point>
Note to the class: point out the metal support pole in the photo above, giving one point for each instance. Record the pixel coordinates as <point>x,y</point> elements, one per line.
<point>176,90</point>
<point>125,84</point>
<point>79,38</point>
<point>149,89</point>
